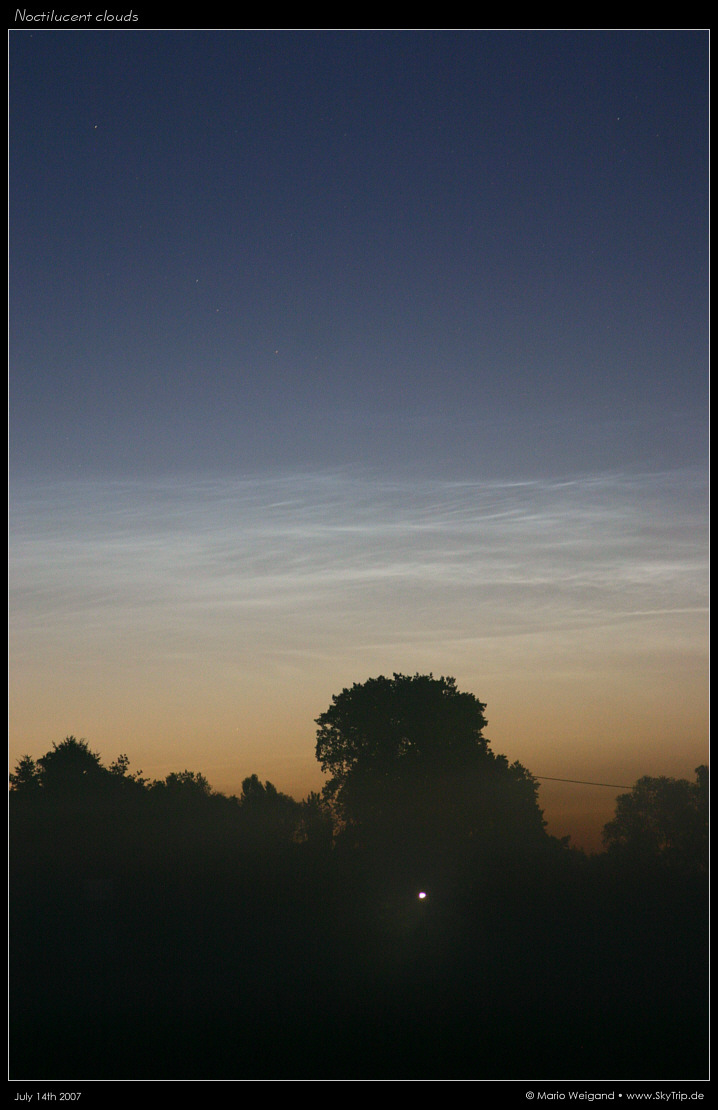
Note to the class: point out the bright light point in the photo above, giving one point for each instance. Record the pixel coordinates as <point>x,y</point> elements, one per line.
<point>422,895</point>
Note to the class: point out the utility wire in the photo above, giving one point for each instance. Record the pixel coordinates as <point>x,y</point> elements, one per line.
<point>582,782</point>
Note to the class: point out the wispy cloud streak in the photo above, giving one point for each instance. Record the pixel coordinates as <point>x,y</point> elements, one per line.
<point>315,551</point>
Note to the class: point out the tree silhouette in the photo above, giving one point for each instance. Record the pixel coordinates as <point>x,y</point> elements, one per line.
<point>186,785</point>
<point>71,768</point>
<point>412,773</point>
<point>315,827</point>
<point>266,813</point>
<point>262,796</point>
<point>663,821</point>
<point>123,778</point>
<point>386,730</point>
<point>26,778</point>
<point>71,771</point>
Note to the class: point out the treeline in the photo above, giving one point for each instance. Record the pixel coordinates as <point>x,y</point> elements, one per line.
<point>70,783</point>
<point>413,921</point>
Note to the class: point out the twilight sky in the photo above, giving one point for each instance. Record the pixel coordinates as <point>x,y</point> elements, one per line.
<point>338,353</point>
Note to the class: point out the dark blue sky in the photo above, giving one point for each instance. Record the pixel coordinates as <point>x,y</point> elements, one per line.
<point>239,249</point>
<point>341,353</point>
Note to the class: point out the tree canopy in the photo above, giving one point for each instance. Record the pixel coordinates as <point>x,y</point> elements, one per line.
<point>663,821</point>
<point>68,769</point>
<point>408,759</point>
<point>385,728</point>
<point>71,771</point>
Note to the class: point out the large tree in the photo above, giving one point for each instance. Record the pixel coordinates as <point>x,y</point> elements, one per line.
<point>385,728</point>
<point>69,769</point>
<point>72,771</point>
<point>664,822</point>
<point>408,762</point>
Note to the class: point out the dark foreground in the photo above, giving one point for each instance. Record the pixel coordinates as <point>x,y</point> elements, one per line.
<point>187,960</point>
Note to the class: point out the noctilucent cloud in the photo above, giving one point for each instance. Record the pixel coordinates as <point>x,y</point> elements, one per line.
<point>340,353</point>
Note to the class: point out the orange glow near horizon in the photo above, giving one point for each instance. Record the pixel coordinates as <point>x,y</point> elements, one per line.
<point>147,624</point>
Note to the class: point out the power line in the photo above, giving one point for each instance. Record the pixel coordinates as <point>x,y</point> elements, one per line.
<point>582,782</point>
